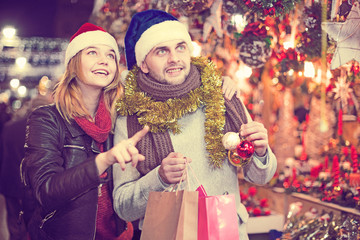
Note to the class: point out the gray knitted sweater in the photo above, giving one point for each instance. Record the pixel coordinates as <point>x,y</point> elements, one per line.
<point>131,192</point>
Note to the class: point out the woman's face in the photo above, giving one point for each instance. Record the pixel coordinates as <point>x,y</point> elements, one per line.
<point>98,66</point>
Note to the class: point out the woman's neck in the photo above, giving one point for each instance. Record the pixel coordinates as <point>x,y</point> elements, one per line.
<point>91,101</point>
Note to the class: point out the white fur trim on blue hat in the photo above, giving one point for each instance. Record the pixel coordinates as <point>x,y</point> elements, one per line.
<point>159,33</point>
<point>88,39</point>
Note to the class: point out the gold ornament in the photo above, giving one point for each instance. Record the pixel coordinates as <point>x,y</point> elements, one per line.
<point>161,116</point>
<point>236,160</point>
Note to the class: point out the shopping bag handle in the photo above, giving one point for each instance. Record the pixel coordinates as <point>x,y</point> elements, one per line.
<point>193,173</point>
<point>185,172</point>
<point>197,180</point>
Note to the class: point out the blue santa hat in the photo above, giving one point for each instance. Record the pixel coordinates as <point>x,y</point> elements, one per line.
<point>149,28</point>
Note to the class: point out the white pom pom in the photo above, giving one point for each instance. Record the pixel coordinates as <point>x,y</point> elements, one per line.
<point>230,140</point>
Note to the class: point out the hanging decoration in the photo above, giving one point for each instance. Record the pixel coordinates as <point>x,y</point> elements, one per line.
<point>309,40</point>
<point>231,7</point>
<point>213,21</point>
<point>255,78</point>
<point>335,4</point>
<point>347,35</point>
<point>353,75</point>
<point>342,92</point>
<point>240,150</point>
<point>290,62</point>
<point>254,45</point>
<point>335,172</point>
<point>344,9</point>
<point>264,8</point>
<point>350,87</point>
<point>354,178</point>
<point>340,123</point>
<point>187,7</point>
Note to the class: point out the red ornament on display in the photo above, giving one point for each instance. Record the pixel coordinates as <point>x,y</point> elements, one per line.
<point>242,154</point>
<point>245,149</point>
<point>240,150</point>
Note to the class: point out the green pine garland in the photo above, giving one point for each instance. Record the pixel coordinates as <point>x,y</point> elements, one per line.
<point>264,8</point>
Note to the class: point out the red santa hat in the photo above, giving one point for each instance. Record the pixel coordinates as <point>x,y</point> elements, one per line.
<point>89,35</point>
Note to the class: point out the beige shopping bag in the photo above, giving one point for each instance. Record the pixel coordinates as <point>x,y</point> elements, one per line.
<point>171,216</point>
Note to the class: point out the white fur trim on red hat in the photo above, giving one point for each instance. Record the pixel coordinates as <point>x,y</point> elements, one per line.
<point>88,39</point>
<point>159,33</point>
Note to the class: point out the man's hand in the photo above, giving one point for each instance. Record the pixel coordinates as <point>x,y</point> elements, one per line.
<point>172,168</point>
<point>256,133</point>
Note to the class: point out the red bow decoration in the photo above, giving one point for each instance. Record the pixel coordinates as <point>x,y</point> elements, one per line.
<point>254,29</point>
<point>249,3</point>
<point>290,54</point>
<point>355,69</point>
<point>270,11</point>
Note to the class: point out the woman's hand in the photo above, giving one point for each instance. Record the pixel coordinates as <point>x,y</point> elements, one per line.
<point>229,88</point>
<point>122,153</point>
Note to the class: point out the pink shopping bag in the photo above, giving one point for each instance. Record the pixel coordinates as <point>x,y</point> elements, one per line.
<point>217,217</point>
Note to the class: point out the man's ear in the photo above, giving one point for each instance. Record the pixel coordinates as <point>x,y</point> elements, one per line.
<point>144,67</point>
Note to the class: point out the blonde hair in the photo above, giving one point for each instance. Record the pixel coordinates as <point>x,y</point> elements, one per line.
<point>68,96</point>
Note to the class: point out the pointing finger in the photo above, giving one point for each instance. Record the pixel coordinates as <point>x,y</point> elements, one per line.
<point>139,135</point>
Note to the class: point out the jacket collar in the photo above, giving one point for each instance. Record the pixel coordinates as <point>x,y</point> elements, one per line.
<point>75,130</point>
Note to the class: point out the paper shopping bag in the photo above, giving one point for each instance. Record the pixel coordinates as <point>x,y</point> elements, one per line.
<point>218,218</point>
<point>171,216</point>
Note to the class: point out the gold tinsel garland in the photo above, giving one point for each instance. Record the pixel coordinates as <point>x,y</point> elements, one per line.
<point>162,116</point>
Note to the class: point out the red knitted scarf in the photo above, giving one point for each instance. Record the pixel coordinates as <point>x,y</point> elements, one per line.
<point>100,128</point>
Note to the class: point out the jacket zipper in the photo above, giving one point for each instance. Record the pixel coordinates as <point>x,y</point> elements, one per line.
<point>96,151</point>
<point>46,218</point>
<point>97,208</point>
<point>99,190</point>
<point>74,146</point>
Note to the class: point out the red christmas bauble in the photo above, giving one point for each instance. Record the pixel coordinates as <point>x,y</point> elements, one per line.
<point>245,149</point>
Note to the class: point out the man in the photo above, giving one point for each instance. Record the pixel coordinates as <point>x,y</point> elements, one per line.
<point>180,99</point>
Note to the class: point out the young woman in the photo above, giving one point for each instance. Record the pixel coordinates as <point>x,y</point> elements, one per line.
<point>68,150</point>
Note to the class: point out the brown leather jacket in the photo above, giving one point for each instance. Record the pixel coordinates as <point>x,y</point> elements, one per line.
<point>59,166</point>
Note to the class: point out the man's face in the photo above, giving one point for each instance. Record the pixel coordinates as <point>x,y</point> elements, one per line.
<point>168,62</point>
